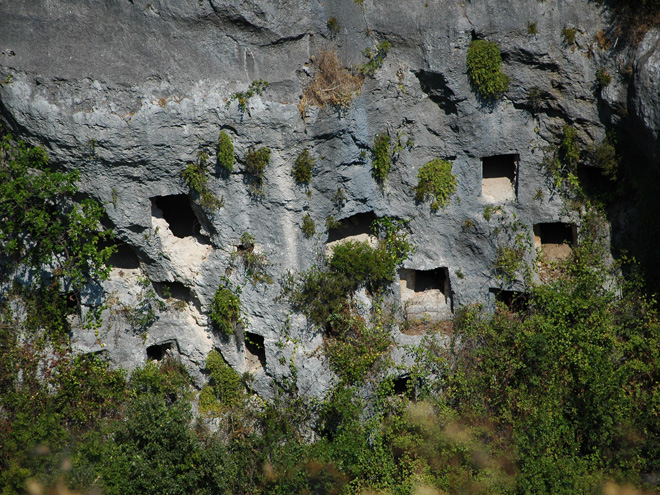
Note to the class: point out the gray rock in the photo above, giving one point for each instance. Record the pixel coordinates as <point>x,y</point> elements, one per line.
<point>129,93</point>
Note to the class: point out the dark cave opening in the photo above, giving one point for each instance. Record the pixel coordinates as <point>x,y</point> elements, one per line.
<point>352,226</point>
<point>178,213</point>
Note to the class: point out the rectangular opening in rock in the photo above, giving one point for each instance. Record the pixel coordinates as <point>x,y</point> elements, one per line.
<point>514,300</point>
<point>255,352</point>
<point>178,213</point>
<point>426,293</point>
<point>124,257</point>
<point>499,172</point>
<point>355,226</point>
<point>555,239</point>
<point>157,352</point>
<point>176,290</point>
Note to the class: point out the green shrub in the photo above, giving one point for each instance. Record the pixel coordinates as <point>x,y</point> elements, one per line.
<point>243,97</point>
<point>302,170</point>
<point>376,58</point>
<point>603,77</point>
<point>255,164</point>
<point>256,264</point>
<point>225,309</point>
<point>435,180</point>
<point>381,157</point>
<point>569,148</point>
<point>224,388</point>
<point>196,177</point>
<point>42,225</point>
<point>605,157</point>
<point>532,28</point>
<point>569,36</point>
<point>308,226</point>
<point>484,63</point>
<point>333,25</point>
<point>225,152</point>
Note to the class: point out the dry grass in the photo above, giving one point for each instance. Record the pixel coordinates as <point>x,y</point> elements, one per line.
<point>333,85</point>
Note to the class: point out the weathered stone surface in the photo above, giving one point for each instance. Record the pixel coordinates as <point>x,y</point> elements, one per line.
<point>130,92</point>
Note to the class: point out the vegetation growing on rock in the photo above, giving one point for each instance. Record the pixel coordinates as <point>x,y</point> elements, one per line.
<point>381,157</point>
<point>484,63</point>
<point>225,309</point>
<point>302,170</point>
<point>225,152</point>
<point>435,180</point>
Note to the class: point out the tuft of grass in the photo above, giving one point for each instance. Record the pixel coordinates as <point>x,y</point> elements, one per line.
<point>333,85</point>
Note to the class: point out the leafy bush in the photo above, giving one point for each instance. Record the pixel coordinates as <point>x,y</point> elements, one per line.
<point>435,180</point>
<point>302,170</point>
<point>224,388</point>
<point>225,152</point>
<point>484,63</point>
<point>308,226</point>
<point>41,225</point>
<point>381,157</point>
<point>225,309</point>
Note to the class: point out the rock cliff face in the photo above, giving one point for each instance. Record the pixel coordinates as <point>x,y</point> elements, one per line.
<point>129,93</point>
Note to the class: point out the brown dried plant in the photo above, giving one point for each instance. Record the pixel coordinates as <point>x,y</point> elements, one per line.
<point>333,85</point>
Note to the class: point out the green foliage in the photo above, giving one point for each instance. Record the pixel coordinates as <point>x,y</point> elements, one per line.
<point>308,226</point>
<point>196,177</point>
<point>225,152</point>
<point>331,223</point>
<point>603,77</point>
<point>224,389</point>
<point>302,170</point>
<point>563,162</point>
<point>508,261</point>
<point>256,264</point>
<point>225,308</point>
<point>535,97</point>
<point>41,225</point>
<point>484,63</point>
<point>376,58</point>
<point>144,312</point>
<point>243,97</point>
<point>532,28</point>
<point>605,157</point>
<point>333,25</point>
<point>255,164</point>
<point>569,36</point>
<point>381,157</point>
<point>435,180</point>
<point>562,379</point>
